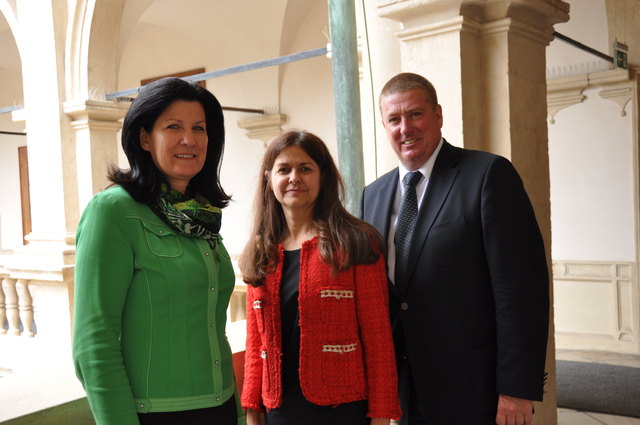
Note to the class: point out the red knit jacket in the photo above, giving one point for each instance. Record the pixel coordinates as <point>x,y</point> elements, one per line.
<point>346,348</point>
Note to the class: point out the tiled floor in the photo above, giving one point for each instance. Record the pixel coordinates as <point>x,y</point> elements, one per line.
<point>619,359</point>
<point>573,417</point>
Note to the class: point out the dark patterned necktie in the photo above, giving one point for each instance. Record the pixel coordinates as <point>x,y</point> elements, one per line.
<point>404,229</point>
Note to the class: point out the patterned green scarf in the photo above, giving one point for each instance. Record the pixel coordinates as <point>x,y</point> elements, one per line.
<point>194,217</point>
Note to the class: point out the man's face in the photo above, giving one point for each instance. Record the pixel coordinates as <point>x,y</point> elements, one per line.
<point>413,126</point>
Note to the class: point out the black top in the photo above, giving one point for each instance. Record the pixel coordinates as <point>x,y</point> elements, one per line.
<point>295,408</point>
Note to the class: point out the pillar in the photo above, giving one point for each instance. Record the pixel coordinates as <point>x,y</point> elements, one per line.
<point>49,140</point>
<point>487,61</point>
<point>71,143</point>
<point>346,90</point>
<point>95,125</point>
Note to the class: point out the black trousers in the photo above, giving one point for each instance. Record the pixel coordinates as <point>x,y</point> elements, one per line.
<point>411,413</point>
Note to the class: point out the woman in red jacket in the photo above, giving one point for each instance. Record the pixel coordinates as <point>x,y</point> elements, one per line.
<point>319,346</point>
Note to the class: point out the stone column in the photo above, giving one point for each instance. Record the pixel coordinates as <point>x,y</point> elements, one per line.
<point>53,187</point>
<point>96,125</point>
<point>51,147</point>
<point>487,61</point>
<point>70,147</point>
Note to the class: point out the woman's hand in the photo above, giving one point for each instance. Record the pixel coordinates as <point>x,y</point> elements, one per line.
<point>253,417</point>
<point>378,421</point>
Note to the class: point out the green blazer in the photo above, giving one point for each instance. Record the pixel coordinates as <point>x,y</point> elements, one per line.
<point>150,314</point>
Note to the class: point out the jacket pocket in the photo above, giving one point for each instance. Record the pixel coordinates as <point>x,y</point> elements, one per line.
<point>337,305</point>
<point>342,364</point>
<point>162,241</point>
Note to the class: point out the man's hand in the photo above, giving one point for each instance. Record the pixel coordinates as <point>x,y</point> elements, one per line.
<point>380,421</point>
<point>514,411</point>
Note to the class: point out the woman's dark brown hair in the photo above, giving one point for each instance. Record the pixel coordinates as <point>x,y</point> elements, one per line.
<point>344,240</point>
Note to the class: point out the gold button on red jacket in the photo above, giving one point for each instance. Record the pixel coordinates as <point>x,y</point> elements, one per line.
<point>346,348</point>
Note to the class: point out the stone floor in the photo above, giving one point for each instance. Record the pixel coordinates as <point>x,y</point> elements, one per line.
<point>47,382</point>
<point>573,417</point>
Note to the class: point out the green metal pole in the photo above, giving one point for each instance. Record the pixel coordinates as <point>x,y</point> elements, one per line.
<point>346,91</point>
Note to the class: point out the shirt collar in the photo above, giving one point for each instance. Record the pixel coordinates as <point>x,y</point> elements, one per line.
<point>427,167</point>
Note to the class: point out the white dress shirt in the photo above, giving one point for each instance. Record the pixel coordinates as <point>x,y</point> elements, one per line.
<point>421,189</point>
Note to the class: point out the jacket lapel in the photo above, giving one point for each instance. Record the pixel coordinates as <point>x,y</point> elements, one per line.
<point>440,183</point>
<point>381,205</point>
<point>378,210</point>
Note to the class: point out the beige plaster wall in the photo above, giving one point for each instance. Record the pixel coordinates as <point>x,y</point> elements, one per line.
<point>588,25</point>
<point>380,60</point>
<point>591,166</point>
<point>623,17</point>
<point>306,90</point>
<point>169,38</point>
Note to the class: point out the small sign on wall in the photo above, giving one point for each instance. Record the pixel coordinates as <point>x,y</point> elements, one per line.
<point>620,52</point>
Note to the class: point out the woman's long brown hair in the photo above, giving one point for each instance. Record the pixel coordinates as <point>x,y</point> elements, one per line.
<point>344,240</point>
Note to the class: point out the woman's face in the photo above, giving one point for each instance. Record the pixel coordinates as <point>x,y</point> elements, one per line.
<point>178,142</point>
<point>295,180</point>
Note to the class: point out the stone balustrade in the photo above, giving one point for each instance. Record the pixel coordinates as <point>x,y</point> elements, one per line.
<point>36,316</point>
<point>16,308</point>
<point>18,314</point>
<point>25,304</point>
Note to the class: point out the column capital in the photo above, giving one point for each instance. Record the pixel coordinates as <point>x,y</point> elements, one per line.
<point>95,110</point>
<point>542,14</point>
<point>96,124</point>
<point>263,127</point>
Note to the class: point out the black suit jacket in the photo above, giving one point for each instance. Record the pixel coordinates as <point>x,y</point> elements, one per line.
<point>474,314</point>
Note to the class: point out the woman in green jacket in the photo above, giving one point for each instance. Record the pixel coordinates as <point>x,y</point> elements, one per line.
<point>153,279</point>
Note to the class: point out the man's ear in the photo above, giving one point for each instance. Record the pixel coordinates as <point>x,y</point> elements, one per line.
<point>144,140</point>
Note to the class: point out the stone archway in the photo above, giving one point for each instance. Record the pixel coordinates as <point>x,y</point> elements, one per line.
<point>15,219</point>
<point>92,40</point>
<point>8,9</point>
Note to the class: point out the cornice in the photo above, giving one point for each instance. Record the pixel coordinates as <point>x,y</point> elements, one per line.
<point>100,110</point>
<point>542,14</point>
<point>263,127</point>
<point>616,86</point>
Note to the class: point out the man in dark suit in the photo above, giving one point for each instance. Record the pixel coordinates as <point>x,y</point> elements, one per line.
<point>469,283</point>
